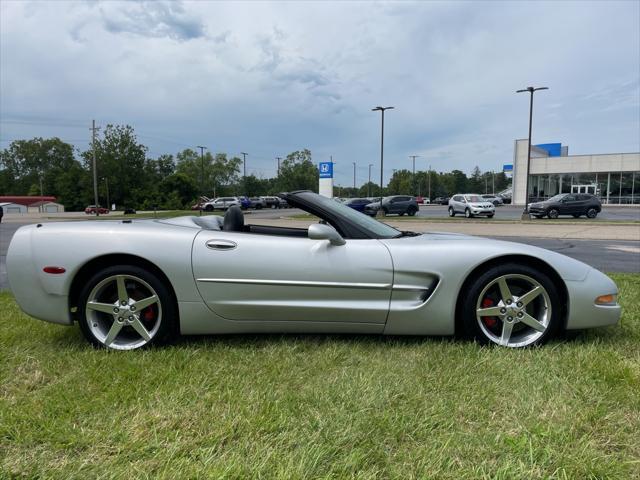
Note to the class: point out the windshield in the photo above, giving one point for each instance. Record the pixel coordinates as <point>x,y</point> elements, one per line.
<point>557,198</point>
<point>473,198</point>
<point>379,229</point>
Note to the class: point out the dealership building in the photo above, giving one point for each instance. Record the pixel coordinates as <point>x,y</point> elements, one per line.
<point>614,177</point>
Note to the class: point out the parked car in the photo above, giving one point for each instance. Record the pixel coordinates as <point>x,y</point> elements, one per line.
<point>221,203</point>
<point>397,204</point>
<point>91,210</point>
<point>441,201</point>
<point>495,199</point>
<point>257,202</point>
<point>129,211</point>
<point>271,202</point>
<point>471,204</point>
<point>575,204</point>
<point>136,284</point>
<point>199,205</point>
<point>244,202</point>
<point>358,203</point>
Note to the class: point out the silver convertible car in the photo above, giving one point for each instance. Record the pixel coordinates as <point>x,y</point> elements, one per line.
<point>134,283</point>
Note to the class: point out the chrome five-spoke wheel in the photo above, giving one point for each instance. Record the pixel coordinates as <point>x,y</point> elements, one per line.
<point>511,305</point>
<point>514,310</point>
<point>123,309</point>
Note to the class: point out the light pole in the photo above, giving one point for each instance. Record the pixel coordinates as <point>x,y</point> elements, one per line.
<point>202,149</point>
<point>244,171</point>
<point>381,109</point>
<point>354,175</point>
<point>413,177</point>
<point>531,90</point>
<point>429,183</point>
<point>106,184</point>
<point>369,191</point>
<point>278,159</point>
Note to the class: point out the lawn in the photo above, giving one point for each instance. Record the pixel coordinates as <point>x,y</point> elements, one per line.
<point>320,406</point>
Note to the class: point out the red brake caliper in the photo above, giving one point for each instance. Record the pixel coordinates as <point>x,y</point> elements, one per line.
<point>489,321</point>
<point>148,314</point>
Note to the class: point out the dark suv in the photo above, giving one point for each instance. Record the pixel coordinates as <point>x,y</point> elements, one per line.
<point>399,204</point>
<point>575,204</point>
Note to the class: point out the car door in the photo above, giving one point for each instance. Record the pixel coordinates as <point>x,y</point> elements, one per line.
<point>255,277</point>
<point>568,206</point>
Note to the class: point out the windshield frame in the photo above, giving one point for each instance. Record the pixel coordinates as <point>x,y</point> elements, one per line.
<point>350,223</point>
<point>469,198</point>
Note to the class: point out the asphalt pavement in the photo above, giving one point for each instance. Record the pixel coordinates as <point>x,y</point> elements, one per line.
<point>510,212</point>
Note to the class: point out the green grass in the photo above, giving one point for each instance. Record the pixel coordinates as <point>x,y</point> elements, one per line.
<point>320,406</point>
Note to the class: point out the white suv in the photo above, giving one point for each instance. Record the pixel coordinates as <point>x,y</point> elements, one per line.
<point>471,204</point>
<point>221,203</point>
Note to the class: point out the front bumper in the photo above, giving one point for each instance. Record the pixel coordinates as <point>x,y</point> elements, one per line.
<point>583,312</point>
<point>483,211</point>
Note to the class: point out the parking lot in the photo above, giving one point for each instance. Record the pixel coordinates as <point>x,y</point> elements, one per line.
<point>511,212</point>
<point>608,253</point>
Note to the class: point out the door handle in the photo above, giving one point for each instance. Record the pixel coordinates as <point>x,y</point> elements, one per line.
<point>221,244</point>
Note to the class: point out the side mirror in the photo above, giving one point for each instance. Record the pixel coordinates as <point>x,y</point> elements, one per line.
<point>318,231</point>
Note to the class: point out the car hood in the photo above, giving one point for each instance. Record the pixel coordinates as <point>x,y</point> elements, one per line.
<point>486,204</point>
<point>440,248</point>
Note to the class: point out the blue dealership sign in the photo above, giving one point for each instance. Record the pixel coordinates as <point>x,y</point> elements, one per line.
<point>507,167</point>
<point>326,170</point>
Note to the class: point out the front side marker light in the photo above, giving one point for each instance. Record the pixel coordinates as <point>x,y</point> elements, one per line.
<point>608,299</point>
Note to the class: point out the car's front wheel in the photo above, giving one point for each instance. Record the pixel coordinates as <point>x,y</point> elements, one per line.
<point>125,307</point>
<point>452,212</point>
<point>553,213</point>
<point>411,212</point>
<point>592,213</point>
<point>208,208</point>
<point>511,305</point>
<point>467,213</point>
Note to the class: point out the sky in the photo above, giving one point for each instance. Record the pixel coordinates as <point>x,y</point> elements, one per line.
<point>269,78</point>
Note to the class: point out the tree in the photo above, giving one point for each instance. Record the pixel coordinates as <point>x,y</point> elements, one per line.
<point>401,183</point>
<point>297,172</point>
<point>120,159</point>
<point>178,191</point>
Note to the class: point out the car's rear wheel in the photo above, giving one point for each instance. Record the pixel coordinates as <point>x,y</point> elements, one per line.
<point>452,212</point>
<point>553,213</point>
<point>125,307</point>
<point>592,213</point>
<point>208,208</point>
<point>511,305</point>
<point>468,214</point>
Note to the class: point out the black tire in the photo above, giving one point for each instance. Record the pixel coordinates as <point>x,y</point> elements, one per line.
<point>208,208</point>
<point>168,328</point>
<point>473,288</point>
<point>385,211</point>
<point>592,213</point>
<point>553,213</point>
<point>467,213</point>
<point>411,212</point>
<point>259,206</point>
<point>452,212</point>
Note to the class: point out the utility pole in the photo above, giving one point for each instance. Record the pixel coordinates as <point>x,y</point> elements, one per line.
<point>278,158</point>
<point>493,182</point>
<point>429,183</point>
<point>202,149</point>
<point>95,172</point>
<point>486,189</point>
<point>354,175</point>
<point>369,192</point>
<point>381,110</point>
<point>531,90</point>
<point>413,178</point>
